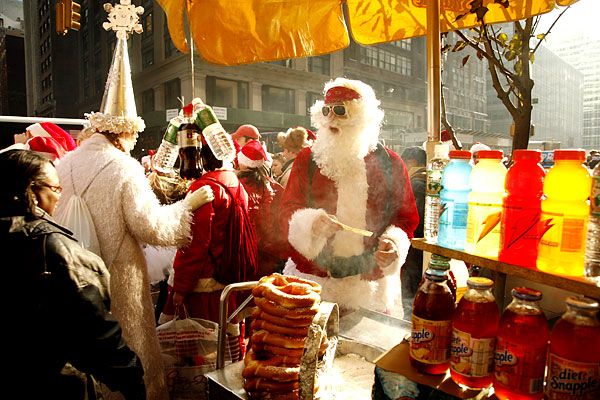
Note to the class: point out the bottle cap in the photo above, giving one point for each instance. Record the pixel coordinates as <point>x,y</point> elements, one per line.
<point>525,293</point>
<point>438,262</point>
<point>441,151</point>
<point>490,154</point>
<point>534,155</point>
<point>574,155</point>
<point>582,303</point>
<point>460,154</point>
<point>436,275</point>
<point>478,282</point>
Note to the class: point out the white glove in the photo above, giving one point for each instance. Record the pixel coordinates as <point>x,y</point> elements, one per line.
<point>200,197</point>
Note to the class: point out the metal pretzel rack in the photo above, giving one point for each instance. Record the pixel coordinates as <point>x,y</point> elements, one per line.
<point>362,335</point>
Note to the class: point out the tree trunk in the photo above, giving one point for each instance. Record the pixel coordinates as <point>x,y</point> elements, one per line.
<point>522,126</point>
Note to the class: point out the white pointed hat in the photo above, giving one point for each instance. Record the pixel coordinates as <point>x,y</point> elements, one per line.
<point>118,113</point>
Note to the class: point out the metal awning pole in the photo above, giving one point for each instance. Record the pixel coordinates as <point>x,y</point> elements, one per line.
<point>33,120</point>
<point>433,74</point>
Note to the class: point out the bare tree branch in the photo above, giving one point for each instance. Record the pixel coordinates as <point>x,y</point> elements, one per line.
<point>550,29</point>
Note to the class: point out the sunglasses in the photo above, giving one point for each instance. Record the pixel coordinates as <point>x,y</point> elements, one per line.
<point>55,189</point>
<point>339,110</point>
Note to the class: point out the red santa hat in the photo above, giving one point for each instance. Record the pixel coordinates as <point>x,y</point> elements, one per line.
<point>253,155</point>
<point>48,146</point>
<point>48,129</point>
<point>340,94</point>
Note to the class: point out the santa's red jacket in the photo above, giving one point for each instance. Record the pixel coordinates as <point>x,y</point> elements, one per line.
<point>358,198</point>
<point>194,267</point>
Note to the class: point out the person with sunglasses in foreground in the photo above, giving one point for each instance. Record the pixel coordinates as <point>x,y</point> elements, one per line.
<point>348,180</point>
<point>56,296</point>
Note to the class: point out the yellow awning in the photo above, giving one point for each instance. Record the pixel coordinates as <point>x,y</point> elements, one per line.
<point>231,32</point>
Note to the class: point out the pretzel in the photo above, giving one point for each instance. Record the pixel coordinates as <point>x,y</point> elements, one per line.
<point>259,324</point>
<point>279,279</point>
<point>267,358</point>
<point>255,369</point>
<point>267,385</point>
<point>280,311</point>
<point>287,291</point>
<point>276,350</point>
<point>274,339</point>
<point>282,321</point>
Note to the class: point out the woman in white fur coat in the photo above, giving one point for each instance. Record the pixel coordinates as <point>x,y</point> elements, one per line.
<point>126,213</point>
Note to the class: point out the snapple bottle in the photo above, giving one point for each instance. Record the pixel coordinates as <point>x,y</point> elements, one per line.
<point>574,357</point>
<point>521,348</point>
<point>432,324</point>
<point>474,329</point>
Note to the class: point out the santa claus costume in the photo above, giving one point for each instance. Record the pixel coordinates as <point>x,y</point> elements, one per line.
<point>348,175</point>
<point>264,202</point>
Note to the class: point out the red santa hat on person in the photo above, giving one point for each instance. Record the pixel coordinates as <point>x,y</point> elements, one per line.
<point>253,155</point>
<point>48,129</point>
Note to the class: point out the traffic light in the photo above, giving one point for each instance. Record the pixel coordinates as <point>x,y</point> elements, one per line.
<point>72,15</point>
<point>60,18</point>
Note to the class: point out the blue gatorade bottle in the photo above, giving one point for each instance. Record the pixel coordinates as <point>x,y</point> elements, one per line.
<point>455,200</point>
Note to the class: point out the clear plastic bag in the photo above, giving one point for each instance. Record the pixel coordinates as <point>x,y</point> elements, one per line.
<point>77,218</point>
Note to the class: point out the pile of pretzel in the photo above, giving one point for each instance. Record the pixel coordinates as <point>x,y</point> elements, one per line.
<point>286,308</point>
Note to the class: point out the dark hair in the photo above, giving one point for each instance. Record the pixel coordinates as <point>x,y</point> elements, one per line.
<point>209,161</point>
<point>258,176</point>
<point>415,153</point>
<point>20,170</point>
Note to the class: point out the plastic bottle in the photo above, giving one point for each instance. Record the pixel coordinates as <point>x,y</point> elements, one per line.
<point>522,209</point>
<point>218,140</point>
<point>574,357</point>
<point>565,214</point>
<point>168,151</point>
<point>521,348</point>
<point>189,155</point>
<point>474,328</point>
<point>592,247</point>
<point>432,324</point>
<point>454,199</point>
<point>485,204</point>
<point>435,167</point>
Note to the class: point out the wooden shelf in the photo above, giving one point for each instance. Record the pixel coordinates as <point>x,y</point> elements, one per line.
<point>586,286</point>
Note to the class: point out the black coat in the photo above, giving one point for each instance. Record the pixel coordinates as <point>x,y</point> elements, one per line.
<point>57,310</point>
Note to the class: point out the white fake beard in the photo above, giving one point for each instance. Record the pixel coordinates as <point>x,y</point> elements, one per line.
<point>337,154</point>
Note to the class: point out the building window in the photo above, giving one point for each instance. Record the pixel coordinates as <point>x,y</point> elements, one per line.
<point>147,101</point>
<point>169,46</point>
<point>147,25</point>
<point>320,64</point>
<point>172,93</point>
<point>403,44</point>
<point>148,56</point>
<point>311,98</point>
<point>387,60</point>
<point>276,99</point>
<point>227,93</point>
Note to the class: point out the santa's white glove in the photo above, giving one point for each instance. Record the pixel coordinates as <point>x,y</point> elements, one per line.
<point>200,197</point>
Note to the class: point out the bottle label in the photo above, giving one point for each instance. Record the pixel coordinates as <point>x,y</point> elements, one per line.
<point>568,234</point>
<point>206,117</point>
<point>430,340</point>
<point>171,134</point>
<point>434,182</point>
<point>187,138</point>
<point>572,380</point>
<point>520,226</point>
<point>472,357</point>
<point>484,219</point>
<point>459,215</point>
<point>595,197</point>
<point>521,368</point>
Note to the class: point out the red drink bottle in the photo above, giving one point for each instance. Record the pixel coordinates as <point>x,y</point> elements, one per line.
<point>521,209</point>
<point>521,348</point>
<point>474,328</point>
<point>432,324</point>
<point>574,357</point>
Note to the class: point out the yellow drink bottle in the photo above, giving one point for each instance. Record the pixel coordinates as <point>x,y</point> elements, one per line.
<point>565,213</point>
<point>485,204</point>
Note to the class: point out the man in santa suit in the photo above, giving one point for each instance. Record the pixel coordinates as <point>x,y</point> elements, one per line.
<point>347,177</point>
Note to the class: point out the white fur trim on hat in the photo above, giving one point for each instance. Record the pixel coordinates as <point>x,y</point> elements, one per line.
<point>300,233</point>
<point>109,123</point>
<point>37,130</point>
<point>243,160</point>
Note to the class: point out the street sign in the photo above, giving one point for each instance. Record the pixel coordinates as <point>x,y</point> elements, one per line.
<point>171,113</point>
<point>221,113</point>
